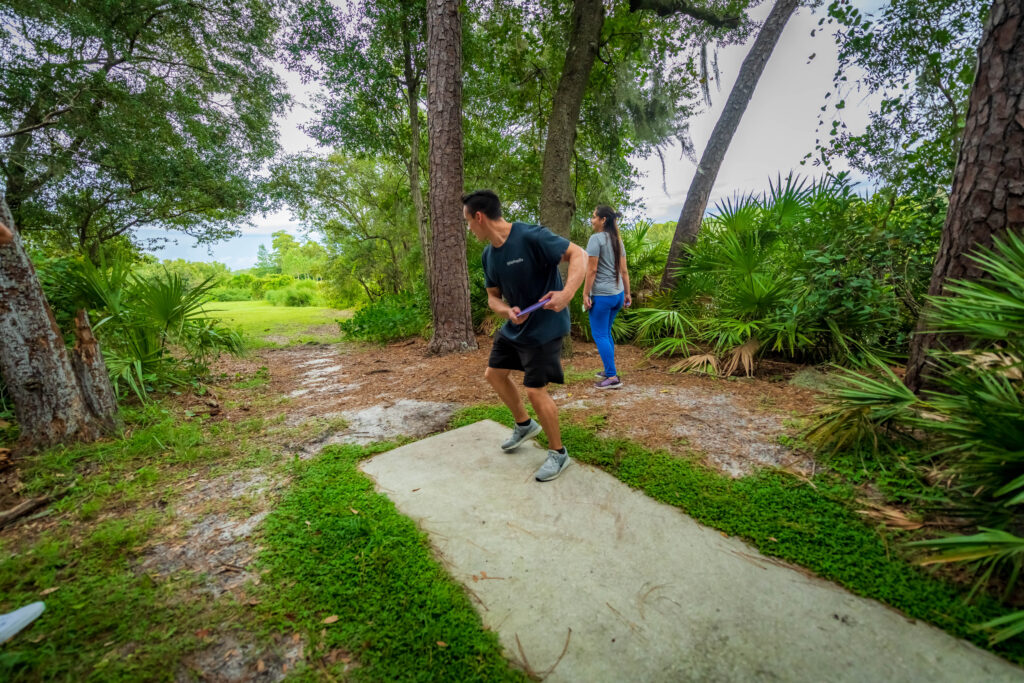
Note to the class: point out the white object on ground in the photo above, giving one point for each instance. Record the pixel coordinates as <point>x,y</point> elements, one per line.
<point>13,622</point>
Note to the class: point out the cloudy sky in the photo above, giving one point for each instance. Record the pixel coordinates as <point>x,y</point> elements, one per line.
<point>777,130</point>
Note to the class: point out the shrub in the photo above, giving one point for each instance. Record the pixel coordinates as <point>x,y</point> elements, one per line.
<point>390,318</point>
<point>230,294</point>
<point>260,286</point>
<point>971,425</point>
<point>140,320</point>
<point>291,296</point>
<point>809,272</point>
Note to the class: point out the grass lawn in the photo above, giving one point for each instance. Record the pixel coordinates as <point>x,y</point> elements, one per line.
<point>262,324</point>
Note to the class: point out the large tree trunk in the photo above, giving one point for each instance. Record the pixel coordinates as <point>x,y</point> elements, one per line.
<point>557,199</point>
<point>987,198</point>
<point>449,276</point>
<point>711,161</point>
<point>48,400</point>
<point>412,91</point>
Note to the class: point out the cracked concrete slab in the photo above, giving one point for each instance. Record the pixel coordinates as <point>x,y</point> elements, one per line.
<point>602,583</point>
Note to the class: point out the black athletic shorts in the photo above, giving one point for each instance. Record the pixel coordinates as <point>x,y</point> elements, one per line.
<point>540,364</point>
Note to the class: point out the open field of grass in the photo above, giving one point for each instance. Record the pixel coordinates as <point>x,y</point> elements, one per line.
<point>262,324</point>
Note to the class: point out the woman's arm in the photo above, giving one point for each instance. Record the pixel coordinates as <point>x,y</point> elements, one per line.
<point>589,282</point>
<point>624,273</point>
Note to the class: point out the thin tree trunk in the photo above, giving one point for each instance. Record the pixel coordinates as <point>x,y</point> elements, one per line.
<point>449,276</point>
<point>987,198</point>
<point>711,161</point>
<point>91,371</point>
<point>412,85</point>
<point>34,363</point>
<point>558,200</point>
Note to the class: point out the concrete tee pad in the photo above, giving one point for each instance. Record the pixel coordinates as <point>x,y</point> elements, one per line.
<point>649,594</point>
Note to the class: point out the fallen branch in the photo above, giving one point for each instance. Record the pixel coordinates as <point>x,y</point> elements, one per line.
<point>22,509</point>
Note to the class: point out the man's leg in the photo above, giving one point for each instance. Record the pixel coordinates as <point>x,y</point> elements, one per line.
<point>547,414</point>
<point>509,394</point>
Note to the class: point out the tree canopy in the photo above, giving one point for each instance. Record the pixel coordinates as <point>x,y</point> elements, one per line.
<point>143,112</point>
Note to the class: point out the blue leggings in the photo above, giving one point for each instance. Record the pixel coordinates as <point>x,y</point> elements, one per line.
<point>602,315</point>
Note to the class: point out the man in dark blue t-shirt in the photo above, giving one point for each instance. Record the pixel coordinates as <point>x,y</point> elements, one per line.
<point>520,269</point>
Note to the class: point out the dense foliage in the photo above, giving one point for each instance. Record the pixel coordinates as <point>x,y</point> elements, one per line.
<point>153,327</point>
<point>918,58</point>
<point>968,430</point>
<point>806,271</point>
<point>117,116</point>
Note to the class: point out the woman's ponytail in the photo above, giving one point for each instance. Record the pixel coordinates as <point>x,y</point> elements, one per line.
<point>612,228</point>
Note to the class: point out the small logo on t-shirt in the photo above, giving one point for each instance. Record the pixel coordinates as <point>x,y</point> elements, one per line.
<point>513,261</point>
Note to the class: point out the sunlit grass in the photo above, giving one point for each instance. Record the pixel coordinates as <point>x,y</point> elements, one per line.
<point>262,324</point>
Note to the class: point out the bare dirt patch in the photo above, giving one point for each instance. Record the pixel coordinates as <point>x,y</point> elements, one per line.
<point>734,424</point>
<point>230,659</point>
<point>211,539</point>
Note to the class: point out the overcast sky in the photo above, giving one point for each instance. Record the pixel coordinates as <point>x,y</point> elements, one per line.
<point>777,130</point>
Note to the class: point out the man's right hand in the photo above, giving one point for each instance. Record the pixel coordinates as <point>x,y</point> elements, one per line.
<point>513,315</point>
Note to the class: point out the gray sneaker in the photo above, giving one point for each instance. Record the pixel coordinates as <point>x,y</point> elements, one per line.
<point>521,434</point>
<point>553,466</point>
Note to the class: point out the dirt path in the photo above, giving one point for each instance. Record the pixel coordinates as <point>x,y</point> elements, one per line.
<point>294,401</point>
<point>735,425</point>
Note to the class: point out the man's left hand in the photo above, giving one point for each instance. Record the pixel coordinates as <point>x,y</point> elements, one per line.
<point>559,300</point>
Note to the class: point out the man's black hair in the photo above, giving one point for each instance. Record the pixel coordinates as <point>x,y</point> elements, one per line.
<point>484,201</point>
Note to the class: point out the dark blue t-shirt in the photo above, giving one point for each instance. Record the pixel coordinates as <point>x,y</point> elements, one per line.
<point>525,268</point>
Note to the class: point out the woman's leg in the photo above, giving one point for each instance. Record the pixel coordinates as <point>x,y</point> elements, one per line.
<point>601,316</point>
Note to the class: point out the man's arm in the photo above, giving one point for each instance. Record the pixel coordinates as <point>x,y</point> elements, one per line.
<point>498,305</point>
<point>6,236</point>
<point>577,259</point>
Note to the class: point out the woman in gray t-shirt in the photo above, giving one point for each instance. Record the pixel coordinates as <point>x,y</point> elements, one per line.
<point>606,288</point>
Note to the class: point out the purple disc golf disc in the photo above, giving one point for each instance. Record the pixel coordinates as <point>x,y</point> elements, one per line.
<point>531,309</point>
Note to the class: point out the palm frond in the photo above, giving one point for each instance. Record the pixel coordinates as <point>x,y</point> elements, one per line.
<point>704,363</point>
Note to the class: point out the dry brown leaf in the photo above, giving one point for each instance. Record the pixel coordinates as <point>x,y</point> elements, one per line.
<point>1007,365</point>
<point>260,666</point>
<point>49,590</point>
<point>202,633</point>
<point>703,363</point>
<point>354,511</point>
<point>441,643</point>
<point>331,619</point>
<point>889,516</point>
<point>742,355</point>
<point>296,637</point>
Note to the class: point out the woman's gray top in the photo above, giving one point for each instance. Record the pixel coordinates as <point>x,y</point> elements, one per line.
<point>607,281</point>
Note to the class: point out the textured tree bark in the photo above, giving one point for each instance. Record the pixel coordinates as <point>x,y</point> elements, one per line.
<point>449,275</point>
<point>93,378</point>
<point>34,362</point>
<point>711,160</point>
<point>557,200</point>
<point>987,198</point>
